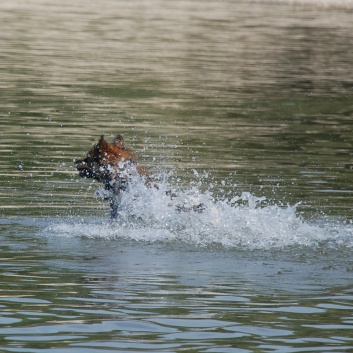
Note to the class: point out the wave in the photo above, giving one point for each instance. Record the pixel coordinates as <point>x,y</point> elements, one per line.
<point>245,221</point>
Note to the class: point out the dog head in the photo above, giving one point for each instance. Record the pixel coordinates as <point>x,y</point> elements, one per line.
<point>106,161</point>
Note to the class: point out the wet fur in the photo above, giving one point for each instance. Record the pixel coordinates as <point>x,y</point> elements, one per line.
<point>113,165</point>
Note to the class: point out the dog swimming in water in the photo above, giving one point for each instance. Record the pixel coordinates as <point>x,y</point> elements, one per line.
<point>114,165</point>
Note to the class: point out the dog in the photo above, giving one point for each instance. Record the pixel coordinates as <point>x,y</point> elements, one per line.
<point>114,165</point>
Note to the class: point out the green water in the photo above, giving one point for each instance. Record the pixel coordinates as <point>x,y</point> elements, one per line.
<point>251,96</point>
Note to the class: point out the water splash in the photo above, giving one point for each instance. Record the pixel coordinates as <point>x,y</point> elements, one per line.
<point>244,221</point>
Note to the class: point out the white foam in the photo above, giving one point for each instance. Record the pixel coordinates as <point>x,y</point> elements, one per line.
<point>245,221</point>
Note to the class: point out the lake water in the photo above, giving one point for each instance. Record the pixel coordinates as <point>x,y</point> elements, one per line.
<point>245,106</point>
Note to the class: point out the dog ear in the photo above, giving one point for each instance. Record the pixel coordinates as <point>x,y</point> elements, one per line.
<point>119,141</point>
<point>102,144</point>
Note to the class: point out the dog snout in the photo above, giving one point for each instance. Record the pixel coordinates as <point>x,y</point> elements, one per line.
<point>83,169</point>
<point>80,164</point>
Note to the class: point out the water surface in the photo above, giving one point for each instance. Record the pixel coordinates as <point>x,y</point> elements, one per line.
<point>245,106</point>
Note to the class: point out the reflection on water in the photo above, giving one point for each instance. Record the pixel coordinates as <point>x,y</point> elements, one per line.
<point>260,90</point>
<point>247,105</point>
<point>112,296</point>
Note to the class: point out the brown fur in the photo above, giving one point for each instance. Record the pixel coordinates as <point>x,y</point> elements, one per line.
<point>113,164</point>
<point>105,161</point>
